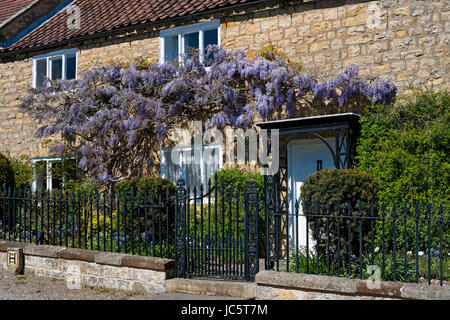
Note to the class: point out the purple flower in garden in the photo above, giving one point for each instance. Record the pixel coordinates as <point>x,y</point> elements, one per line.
<point>112,113</point>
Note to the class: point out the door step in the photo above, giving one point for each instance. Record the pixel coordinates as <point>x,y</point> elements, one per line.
<point>237,289</point>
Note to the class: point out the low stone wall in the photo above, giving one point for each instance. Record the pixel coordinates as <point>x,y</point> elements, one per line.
<point>294,286</point>
<point>93,268</point>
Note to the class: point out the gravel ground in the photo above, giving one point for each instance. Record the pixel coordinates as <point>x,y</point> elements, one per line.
<point>30,287</point>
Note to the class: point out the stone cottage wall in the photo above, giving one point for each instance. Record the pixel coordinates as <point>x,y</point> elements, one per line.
<point>407,40</point>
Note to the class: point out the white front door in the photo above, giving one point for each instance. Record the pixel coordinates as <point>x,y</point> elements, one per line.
<point>304,158</point>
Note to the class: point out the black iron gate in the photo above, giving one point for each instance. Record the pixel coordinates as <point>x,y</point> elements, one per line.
<point>216,231</point>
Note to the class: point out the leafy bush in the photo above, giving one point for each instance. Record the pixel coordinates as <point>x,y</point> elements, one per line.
<point>236,180</point>
<point>406,146</point>
<point>6,173</point>
<point>23,173</point>
<point>231,183</point>
<point>145,185</point>
<point>323,191</point>
<point>153,188</point>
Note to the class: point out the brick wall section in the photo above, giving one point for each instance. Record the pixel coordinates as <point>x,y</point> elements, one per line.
<point>407,40</point>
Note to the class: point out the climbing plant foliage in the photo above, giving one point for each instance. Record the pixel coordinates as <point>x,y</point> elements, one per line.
<point>115,118</point>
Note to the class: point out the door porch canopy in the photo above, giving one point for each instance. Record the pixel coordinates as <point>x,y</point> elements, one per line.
<point>344,126</point>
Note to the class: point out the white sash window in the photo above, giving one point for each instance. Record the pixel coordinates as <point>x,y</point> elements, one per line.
<point>54,66</point>
<point>188,40</point>
<point>184,165</point>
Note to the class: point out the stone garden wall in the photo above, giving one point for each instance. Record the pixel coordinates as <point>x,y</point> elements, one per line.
<point>293,286</point>
<point>80,267</point>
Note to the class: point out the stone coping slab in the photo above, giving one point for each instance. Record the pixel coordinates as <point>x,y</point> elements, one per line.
<point>228,288</point>
<point>42,251</point>
<point>99,257</point>
<point>4,245</point>
<point>153,263</point>
<point>309,282</point>
<point>77,254</point>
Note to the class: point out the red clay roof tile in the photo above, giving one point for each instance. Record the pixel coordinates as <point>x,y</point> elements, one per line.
<point>103,15</point>
<point>8,8</point>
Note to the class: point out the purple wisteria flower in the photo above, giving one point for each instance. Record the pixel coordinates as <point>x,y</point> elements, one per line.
<point>115,118</point>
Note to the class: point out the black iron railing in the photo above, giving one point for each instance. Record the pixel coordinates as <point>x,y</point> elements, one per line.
<point>137,224</point>
<point>222,231</point>
<point>407,244</point>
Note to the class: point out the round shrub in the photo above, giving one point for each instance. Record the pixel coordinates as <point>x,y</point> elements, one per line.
<point>6,173</point>
<point>323,191</point>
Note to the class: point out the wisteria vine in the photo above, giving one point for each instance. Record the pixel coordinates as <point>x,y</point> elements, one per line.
<point>115,118</point>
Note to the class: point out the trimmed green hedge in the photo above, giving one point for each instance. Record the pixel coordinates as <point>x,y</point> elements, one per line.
<point>407,147</point>
<point>230,181</point>
<point>330,187</point>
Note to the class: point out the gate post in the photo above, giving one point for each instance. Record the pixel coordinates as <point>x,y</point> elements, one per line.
<point>271,207</point>
<point>251,232</point>
<point>180,230</point>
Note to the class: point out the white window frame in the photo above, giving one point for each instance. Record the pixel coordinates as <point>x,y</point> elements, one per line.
<point>190,149</point>
<point>49,56</point>
<point>49,161</point>
<point>182,31</point>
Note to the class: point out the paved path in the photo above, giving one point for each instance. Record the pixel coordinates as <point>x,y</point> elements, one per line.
<point>30,287</point>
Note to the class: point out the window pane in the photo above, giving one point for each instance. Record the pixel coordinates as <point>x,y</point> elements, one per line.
<point>41,72</point>
<point>210,163</point>
<point>210,37</point>
<point>193,173</point>
<point>191,43</point>
<point>40,172</point>
<point>172,170</point>
<point>71,66</point>
<point>63,171</point>
<point>171,48</point>
<point>56,64</point>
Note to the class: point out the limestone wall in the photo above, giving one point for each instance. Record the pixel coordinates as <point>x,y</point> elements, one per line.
<point>407,40</point>
<point>80,267</point>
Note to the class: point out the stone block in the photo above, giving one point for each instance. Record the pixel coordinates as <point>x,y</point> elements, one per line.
<point>4,245</point>
<point>149,288</point>
<point>77,254</point>
<point>418,291</point>
<point>42,250</point>
<point>212,287</point>
<point>391,289</point>
<point>318,46</point>
<point>355,20</point>
<point>321,26</point>
<point>312,16</point>
<point>151,263</point>
<point>109,258</point>
<point>306,281</point>
<point>42,262</point>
